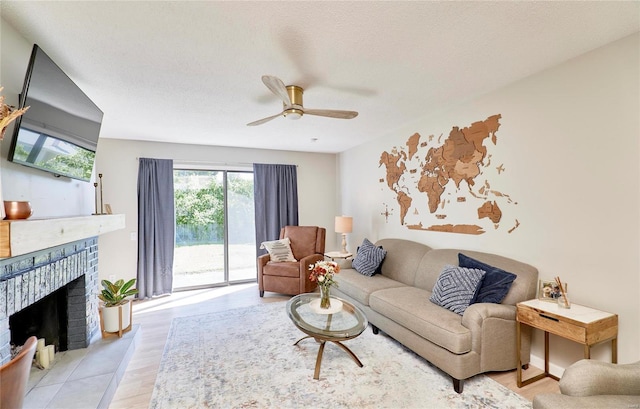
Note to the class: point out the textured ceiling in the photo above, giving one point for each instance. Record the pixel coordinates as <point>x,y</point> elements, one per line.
<point>189,72</point>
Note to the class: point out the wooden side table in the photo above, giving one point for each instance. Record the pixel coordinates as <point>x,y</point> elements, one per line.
<point>333,255</point>
<point>581,324</point>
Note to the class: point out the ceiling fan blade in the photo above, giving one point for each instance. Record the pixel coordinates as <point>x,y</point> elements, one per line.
<point>263,120</point>
<point>331,113</point>
<point>276,86</point>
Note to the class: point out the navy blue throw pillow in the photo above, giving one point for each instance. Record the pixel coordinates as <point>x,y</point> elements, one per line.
<point>495,284</point>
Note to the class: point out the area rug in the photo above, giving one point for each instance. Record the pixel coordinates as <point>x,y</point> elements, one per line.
<point>245,358</point>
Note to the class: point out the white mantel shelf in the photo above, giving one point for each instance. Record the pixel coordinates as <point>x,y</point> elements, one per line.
<point>19,237</point>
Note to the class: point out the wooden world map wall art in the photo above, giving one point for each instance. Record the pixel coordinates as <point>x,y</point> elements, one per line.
<point>449,179</point>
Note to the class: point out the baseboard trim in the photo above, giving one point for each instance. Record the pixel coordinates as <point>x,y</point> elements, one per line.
<point>555,370</point>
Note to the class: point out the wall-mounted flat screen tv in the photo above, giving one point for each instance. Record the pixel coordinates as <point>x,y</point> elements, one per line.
<point>59,133</point>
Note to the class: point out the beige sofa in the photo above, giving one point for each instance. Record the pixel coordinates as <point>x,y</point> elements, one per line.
<point>397,302</point>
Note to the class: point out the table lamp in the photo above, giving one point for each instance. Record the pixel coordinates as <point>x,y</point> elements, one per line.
<point>344,225</point>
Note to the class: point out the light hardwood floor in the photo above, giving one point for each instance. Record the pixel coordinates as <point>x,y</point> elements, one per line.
<point>154,317</point>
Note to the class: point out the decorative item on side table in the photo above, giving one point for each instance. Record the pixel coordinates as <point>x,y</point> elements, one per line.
<point>116,314</point>
<point>563,300</point>
<point>322,272</point>
<point>550,290</point>
<point>8,114</point>
<point>344,225</point>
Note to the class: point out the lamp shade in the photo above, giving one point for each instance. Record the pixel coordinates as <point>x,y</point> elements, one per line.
<point>344,224</point>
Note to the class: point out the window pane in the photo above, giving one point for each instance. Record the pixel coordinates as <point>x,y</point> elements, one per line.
<point>242,232</point>
<point>199,251</point>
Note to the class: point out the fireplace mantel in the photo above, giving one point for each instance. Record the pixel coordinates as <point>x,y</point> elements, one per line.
<point>19,237</point>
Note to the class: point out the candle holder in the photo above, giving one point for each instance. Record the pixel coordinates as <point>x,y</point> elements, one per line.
<point>95,197</point>
<point>101,205</point>
<point>98,190</point>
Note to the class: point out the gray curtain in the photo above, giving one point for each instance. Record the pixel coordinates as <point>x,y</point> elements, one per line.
<point>275,192</point>
<point>156,227</point>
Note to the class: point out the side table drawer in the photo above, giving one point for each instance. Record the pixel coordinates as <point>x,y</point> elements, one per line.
<point>552,325</point>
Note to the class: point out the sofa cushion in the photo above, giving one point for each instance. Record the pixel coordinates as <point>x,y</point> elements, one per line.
<point>282,269</point>
<point>304,240</point>
<point>455,287</point>
<point>403,258</point>
<point>279,250</point>
<point>368,258</point>
<point>495,284</point>
<point>360,287</point>
<point>411,308</point>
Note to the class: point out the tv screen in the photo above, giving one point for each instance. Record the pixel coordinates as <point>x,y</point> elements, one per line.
<point>59,133</point>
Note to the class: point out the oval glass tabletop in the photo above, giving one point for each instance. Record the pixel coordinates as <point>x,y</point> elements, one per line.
<point>347,323</point>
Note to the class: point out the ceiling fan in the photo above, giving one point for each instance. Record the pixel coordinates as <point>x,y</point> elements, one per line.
<point>291,96</point>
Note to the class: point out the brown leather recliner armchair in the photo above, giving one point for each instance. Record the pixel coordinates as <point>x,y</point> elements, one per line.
<point>14,376</point>
<point>307,246</point>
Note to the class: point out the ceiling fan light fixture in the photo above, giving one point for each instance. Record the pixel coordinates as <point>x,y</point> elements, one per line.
<point>292,107</point>
<point>293,114</point>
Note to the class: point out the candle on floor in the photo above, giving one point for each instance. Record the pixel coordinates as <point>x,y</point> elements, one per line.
<point>40,344</point>
<point>51,350</point>
<point>44,358</point>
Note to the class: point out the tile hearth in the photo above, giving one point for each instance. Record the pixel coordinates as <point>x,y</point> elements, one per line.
<point>84,378</point>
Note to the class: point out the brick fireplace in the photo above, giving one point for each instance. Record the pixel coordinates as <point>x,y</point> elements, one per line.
<point>29,278</point>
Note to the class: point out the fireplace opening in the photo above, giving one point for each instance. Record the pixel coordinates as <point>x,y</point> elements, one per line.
<point>46,318</point>
<point>68,320</point>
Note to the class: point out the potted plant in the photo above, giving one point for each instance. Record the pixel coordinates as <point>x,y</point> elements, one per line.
<point>115,314</point>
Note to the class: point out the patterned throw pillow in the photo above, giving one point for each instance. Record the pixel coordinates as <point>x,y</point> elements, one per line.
<point>279,250</point>
<point>455,287</point>
<point>368,259</point>
<point>496,282</point>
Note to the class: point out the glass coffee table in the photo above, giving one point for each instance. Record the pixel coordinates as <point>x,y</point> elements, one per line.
<point>342,322</point>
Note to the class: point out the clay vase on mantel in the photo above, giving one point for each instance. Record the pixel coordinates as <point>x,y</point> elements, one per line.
<point>17,210</point>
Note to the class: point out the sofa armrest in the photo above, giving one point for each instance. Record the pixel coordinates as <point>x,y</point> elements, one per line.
<point>263,260</point>
<point>475,314</point>
<point>559,401</point>
<point>493,335</point>
<point>589,378</point>
<point>305,262</point>
<point>306,285</point>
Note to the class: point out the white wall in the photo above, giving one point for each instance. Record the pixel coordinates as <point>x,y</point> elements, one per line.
<point>569,143</point>
<point>117,160</point>
<point>49,196</point>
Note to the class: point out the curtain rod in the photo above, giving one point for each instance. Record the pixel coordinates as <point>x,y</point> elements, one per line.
<point>204,162</point>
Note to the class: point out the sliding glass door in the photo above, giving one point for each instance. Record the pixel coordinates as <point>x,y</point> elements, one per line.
<point>241,228</point>
<point>215,232</point>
